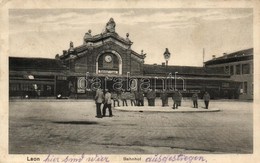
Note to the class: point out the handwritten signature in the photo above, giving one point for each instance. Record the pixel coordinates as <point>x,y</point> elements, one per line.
<point>175,158</point>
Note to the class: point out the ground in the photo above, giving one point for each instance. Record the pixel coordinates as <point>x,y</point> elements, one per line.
<point>70,127</point>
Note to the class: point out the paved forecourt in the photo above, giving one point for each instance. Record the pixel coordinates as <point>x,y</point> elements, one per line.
<point>70,126</point>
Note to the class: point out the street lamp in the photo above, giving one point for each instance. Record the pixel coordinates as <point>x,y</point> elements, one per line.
<point>175,80</point>
<point>167,56</point>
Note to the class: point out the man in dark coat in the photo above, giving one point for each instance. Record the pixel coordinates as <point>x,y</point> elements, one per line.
<point>99,98</point>
<point>206,99</point>
<point>141,98</point>
<point>175,98</point>
<point>124,97</point>
<point>151,95</point>
<point>164,98</point>
<point>179,98</point>
<point>195,100</point>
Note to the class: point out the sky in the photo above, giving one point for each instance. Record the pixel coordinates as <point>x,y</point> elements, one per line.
<point>185,32</point>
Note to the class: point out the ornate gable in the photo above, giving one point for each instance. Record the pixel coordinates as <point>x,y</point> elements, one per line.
<point>103,53</point>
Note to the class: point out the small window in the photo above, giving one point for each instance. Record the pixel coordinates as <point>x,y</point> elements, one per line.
<point>238,70</point>
<point>231,70</point>
<point>245,69</point>
<point>226,69</point>
<point>245,87</point>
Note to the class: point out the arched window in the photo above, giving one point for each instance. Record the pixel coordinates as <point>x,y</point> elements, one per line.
<point>109,62</point>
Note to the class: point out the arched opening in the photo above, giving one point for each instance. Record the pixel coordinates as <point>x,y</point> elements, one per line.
<point>109,62</point>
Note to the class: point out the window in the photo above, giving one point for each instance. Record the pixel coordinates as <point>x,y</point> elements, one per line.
<point>238,70</point>
<point>231,70</point>
<point>245,69</point>
<point>226,69</point>
<point>245,87</point>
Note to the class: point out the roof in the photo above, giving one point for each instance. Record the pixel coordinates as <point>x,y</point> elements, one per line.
<point>183,70</point>
<point>241,55</point>
<point>42,64</point>
<point>103,36</point>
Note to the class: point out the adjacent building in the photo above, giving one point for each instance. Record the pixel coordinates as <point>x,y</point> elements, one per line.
<point>239,65</point>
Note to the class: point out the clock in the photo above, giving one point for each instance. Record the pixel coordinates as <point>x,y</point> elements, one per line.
<point>108,58</point>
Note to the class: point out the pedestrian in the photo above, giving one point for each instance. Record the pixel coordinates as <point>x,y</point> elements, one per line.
<point>164,98</point>
<point>136,98</point>
<point>114,96</point>
<point>140,98</point>
<point>132,98</point>
<point>179,98</point>
<point>99,99</point>
<point>107,103</point>
<point>206,98</point>
<point>124,97</point>
<point>175,100</point>
<point>195,100</point>
<point>151,95</point>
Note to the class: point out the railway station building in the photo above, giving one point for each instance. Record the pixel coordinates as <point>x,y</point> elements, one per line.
<point>107,60</point>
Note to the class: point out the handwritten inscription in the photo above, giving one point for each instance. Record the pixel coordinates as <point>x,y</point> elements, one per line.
<point>175,158</point>
<point>75,159</point>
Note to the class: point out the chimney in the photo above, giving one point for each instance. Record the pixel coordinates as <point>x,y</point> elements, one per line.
<point>213,56</point>
<point>224,54</point>
<point>64,52</point>
<point>163,64</point>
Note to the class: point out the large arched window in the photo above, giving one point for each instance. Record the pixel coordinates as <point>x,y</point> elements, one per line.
<point>109,62</point>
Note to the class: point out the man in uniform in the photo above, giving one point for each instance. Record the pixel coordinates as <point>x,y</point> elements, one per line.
<point>124,97</point>
<point>164,98</point>
<point>99,99</point>
<point>141,98</point>
<point>151,95</point>
<point>175,98</point>
<point>115,98</point>
<point>107,103</point>
<point>195,100</point>
<point>132,98</point>
<point>206,98</point>
<point>179,98</point>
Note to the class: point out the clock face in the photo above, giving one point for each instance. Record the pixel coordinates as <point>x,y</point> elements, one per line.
<point>108,58</point>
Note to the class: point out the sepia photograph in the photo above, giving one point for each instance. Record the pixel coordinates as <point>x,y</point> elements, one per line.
<point>146,84</point>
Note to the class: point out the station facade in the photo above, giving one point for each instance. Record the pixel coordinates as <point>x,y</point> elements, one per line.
<point>106,60</point>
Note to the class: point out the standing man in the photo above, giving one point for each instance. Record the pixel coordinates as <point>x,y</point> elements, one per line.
<point>195,100</point>
<point>132,98</point>
<point>206,98</point>
<point>179,98</point>
<point>107,103</point>
<point>175,100</point>
<point>164,98</point>
<point>99,99</point>
<point>141,98</point>
<point>115,98</point>
<point>136,98</point>
<point>124,97</point>
<point>151,95</point>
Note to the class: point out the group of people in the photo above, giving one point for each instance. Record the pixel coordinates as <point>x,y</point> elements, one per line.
<point>137,99</point>
<point>177,97</point>
<point>104,99</point>
<point>206,98</point>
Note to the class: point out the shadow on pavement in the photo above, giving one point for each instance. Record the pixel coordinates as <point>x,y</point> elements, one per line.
<point>76,122</point>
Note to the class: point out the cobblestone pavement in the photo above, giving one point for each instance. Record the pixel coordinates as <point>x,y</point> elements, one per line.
<point>70,127</point>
